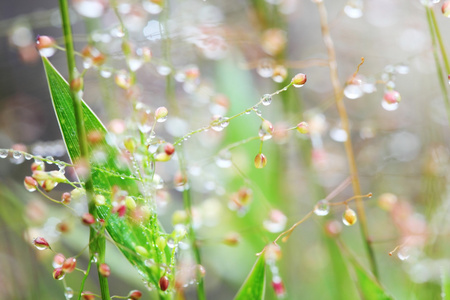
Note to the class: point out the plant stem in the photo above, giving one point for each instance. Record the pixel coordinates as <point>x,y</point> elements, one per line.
<point>434,33</point>
<point>96,243</point>
<point>191,233</point>
<point>338,94</point>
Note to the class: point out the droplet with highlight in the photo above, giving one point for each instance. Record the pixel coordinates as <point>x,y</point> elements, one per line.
<point>266,99</point>
<point>322,208</point>
<point>354,9</point>
<point>353,91</point>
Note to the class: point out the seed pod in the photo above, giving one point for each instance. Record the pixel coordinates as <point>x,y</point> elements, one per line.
<point>349,217</point>
<point>164,283</point>
<point>69,265</point>
<point>134,295</point>
<point>58,274</point>
<point>41,244</point>
<point>260,161</point>
<point>299,80</point>
<point>104,270</point>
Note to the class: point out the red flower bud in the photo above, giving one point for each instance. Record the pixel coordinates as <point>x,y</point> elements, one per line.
<point>164,283</point>
<point>104,270</point>
<point>41,244</point>
<point>58,274</point>
<point>66,198</point>
<point>88,219</point>
<point>299,80</point>
<point>135,295</point>
<point>30,183</point>
<point>88,295</point>
<point>260,161</point>
<point>69,264</point>
<point>169,149</point>
<point>44,41</point>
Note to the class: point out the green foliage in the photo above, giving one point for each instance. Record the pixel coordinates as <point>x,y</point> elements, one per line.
<point>254,286</point>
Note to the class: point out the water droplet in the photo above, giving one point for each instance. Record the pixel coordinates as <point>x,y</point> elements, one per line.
<point>403,253</point>
<point>163,70</point>
<point>4,153</point>
<point>162,119</point>
<point>17,154</point>
<point>338,134</point>
<point>171,243</point>
<point>135,63</point>
<point>402,69</point>
<point>50,160</point>
<point>151,7</point>
<point>354,9</point>
<point>68,293</point>
<point>265,67</point>
<point>216,123</point>
<point>28,156</point>
<point>144,128</point>
<point>390,85</point>
<point>90,8</point>
<point>223,159</point>
<point>224,122</point>
<point>353,91</point>
<point>266,99</point>
<point>257,112</point>
<point>149,262</point>
<point>389,106</point>
<point>368,87</point>
<point>248,111</point>
<point>106,72</point>
<point>322,208</point>
<point>47,52</point>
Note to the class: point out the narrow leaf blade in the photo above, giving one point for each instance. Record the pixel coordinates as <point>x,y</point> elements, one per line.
<point>254,286</point>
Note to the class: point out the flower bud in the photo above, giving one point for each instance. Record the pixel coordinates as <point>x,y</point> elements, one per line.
<point>87,295</point>
<point>44,41</point>
<point>57,176</point>
<point>88,219</point>
<point>130,144</point>
<point>164,283</point>
<point>41,244</point>
<point>66,198</point>
<point>303,128</point>
<point>387,201</point>
<point>58,260</point>
<point>169,149</point>
<point>30,183</point>
<point>392,97</point>
<point>104,270</point>
<point>161,243</point>
<point>37,166</point>
<point>40,175</point>
<point>99,200</point>
<point>279,73</point>
<point>446,9</point>
<point>58,274</point>
<point>77,193</point>
<point>232,239</point>
<point>93,55</point>
<point>134,295</point>
<point>278,287</point>
<point>179,217</point>
<point>349,217</point>
<point>299,80</point>
<point>69,265</point>
<point>49,185</point>
<point>130,203</point>
<point>260,161</point>
<point>161,114</point>
<point>76,84</point>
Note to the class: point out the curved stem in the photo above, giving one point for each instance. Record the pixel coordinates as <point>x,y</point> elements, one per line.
<point>338,94</point>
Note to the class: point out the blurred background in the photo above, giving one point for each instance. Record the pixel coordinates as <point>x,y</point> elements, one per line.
<point>218,58</point>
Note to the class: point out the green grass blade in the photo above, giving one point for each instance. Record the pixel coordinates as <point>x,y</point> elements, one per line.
<point>254,286</point>
<point>107,173</point>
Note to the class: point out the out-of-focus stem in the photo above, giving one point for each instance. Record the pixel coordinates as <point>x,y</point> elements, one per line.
<point>338,94</point>
<point>96,242</point>
<point>434,33</point>
<point>439,39</point>
<point>191,233</point>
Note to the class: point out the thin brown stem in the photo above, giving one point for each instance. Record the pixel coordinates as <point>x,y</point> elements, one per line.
<point>338,94</point>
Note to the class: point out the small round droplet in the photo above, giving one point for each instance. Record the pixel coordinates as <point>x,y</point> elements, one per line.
<point>403,253</point>
<point>4,153</point>
<point>28,156</point>
<point>68,293</point>
<point>224,122</point>
<point>163,70</point>
<point>389,106</point>
<point>223,159</point>
<point>266,99</point>
<point>322,208</point>
<point>354,9</point>
<point>353,91</point>
<point>171,243</point>
<point>50,159</point>
<point>17,155</point>
<point>265,68</point>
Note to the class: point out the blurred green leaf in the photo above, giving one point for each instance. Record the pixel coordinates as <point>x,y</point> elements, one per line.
<point>368,286</point>
<point>107,173</point>
<point>254,286</point>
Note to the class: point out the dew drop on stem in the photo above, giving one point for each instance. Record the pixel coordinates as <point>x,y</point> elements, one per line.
<point>266,99</point>
<point>4,153</point>
<point>68,293</point>
<point>322,208</point>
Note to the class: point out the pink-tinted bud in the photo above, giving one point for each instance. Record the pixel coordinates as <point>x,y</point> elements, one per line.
<point>37,166</point>
<point>169,149</point>
<point>63,227</point>
<point>94,137</point>
<point>104,270</point>
<point>161,114</point>
<point>88,295</point>
<point>123,79</point>
<point>333,228</point>
<point>164,283</point>
<point>49,185</point>
<point>299,80</point>
<point>303,128</point>
<point>58,274</point>
<point>93,55</point>
<point>279,73</point>
<point>134,295</point>
<point>58,260</point>
<point>88,219</point>
<point>278,287</point>
<point>76,84</point>
<point>232,239</point>
<point>69,264</point>
<point>66,198</point>
<point>273,41</point>
<point>387,201</point>
<point>121,210</point>
<point>446,9</point>
<point>267,127</point>
<point>392,97</point>
<point>44,41</point>
<point>272,253</point>
<point>41,244</point>
<point>30,183</point>
<point>260,161</point>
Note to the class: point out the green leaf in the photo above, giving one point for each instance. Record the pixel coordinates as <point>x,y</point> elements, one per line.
<point>254,286</point>
<point>107,173</point>
<point>369,287</point>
